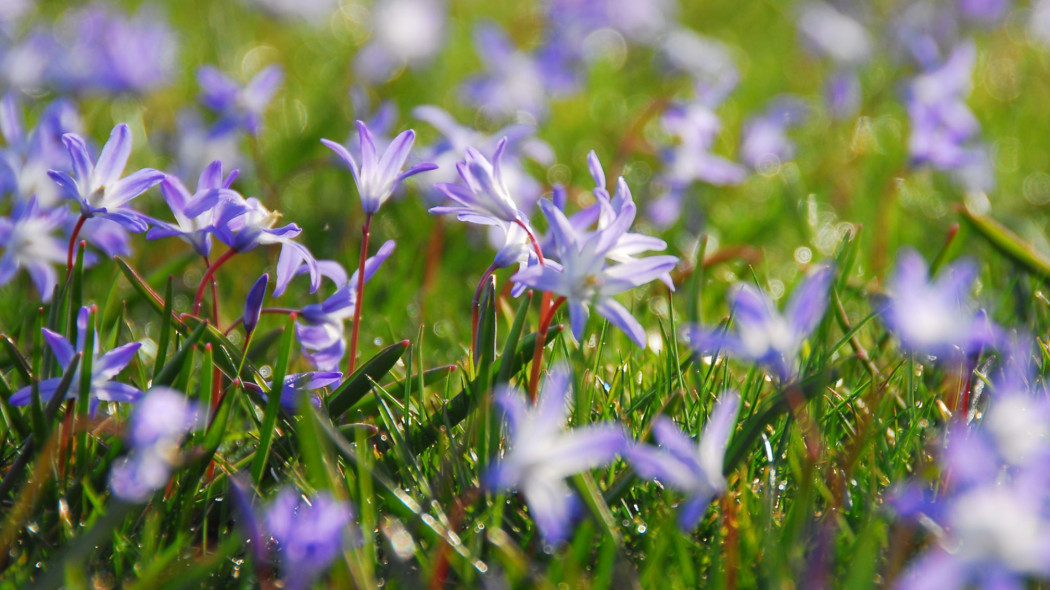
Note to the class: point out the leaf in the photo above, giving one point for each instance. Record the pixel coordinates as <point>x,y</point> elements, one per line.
<point>1009,243</point>
<point>360,383</point>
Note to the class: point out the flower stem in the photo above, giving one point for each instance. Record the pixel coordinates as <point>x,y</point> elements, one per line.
<point>366,232</point>
<point>533,241</point>
<point>73,243</point>
<point>206,279</point>
<point>541,340</point>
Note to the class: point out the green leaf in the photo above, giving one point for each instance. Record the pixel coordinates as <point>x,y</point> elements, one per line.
<point>1009,243</point>
<point>360,383</point>
<point>273,404</point>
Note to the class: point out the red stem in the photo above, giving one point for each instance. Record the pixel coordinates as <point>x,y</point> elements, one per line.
<point>541,340</point>
<point>366,231</point>
<point>532,240</point>
<point>208,274</point>
<point>73,243</point>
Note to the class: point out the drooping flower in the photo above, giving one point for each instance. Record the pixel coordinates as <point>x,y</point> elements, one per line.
<point>695,470</point>
<point>104,367</point>
<point>934,318</point>
<point>158,424</point>
<point>310,533</point>
<point>378,177</point>
<point>542,453</point>
<point>27,240</point>
<point>320,325</point>
<point>238,107</point>
<point>764,335</point>
<point>585,279</point>
<point>98,186</point>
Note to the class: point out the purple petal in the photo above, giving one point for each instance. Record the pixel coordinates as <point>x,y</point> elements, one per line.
<point>713,441</point>
<point>585,448</point>
<point>131,186</point>
<point>254,302</point>
<point>395,155</point>
<point>693,510</point>
<point>810,301</point>
<point>618,316</point>
<point>114,157</point>
<point>60,346</point>
<point>114,361</point>
<point>552,506</point>
<point>343,153</point>
<point>81,158</point>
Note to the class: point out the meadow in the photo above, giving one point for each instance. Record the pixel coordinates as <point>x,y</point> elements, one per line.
<point>550,294</point>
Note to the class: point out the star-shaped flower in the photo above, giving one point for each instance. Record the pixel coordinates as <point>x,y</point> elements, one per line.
<point>542,453</point>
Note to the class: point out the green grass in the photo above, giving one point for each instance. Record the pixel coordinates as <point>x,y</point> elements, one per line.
<point>407,443</point>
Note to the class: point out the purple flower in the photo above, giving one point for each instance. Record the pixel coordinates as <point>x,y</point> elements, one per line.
<point>158,424</point>
<point>27,240</point>
<point>990,520</point>
<point>27,156</point>
<point>254,302</point>
<point>250,225</point>
<point>310,533</point>
<point>98,187</point>
<point>297,383</point>
<point>320,325</point>
<point>629,245</point>
<point>762,334</point>
<point>584,278</point>
<point>944,130</point>
<point>378,177</point>
<point>834,34</point>
<point>104,368</point>
<point>214,204</point>
<point>514,81</point>
<point>696,126</point>
<point>404,33</point>
<point>542,453</point>
<point>237,106</point>
<point>112,52</point>
<point>521,143</point>
<point>482,197</point>
<point>689,468</point>
<point>766,144</point>
<point>933,318</point>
